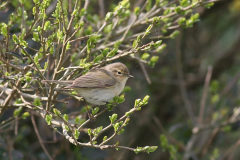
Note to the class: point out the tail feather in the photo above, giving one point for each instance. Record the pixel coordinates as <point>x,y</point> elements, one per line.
<point>59,82</point>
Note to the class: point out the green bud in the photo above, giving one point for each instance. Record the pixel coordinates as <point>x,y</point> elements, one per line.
<point>68,45</point>
<point>65,117</point>
<point>48,119</point>
<point>145,99</point>
<point>4,30</point>
<point>161,48</point>
<point>57,112</point>
<point>126,89</point>
<point>112,53</point>
<point>209,5</point>
<point>109,15</point>
<point>25,115</point>
<point>153,61</point>
<point>95,110</point>
<point>76,134</point>
<point>137,10</point>
<point>116,126</point>
<point>81,24</point>
<point>174,34</point>
<point>105,52</point>
<point>145,56</point>
<point>104,138</point>
<point>45,65</point>
<point>98,58</point>
<point>181,20</point>
<point>15,39</point>
<point>37,102</point>
<point>121,131</point>
<point>18,101</point>
<point>150,148</point>
<point>117,44</point>
<point>148,29</point>
<point>17,111</point>
<point>35,37</point>
<point>89,132</point>
<point>46,25</point>
<point>166,11</point>
<point>66,127</point>
<point>157,44</point>
<point>178,9</point>
<point>113,118</point>
<point>138,150</point>
<point>28,78</point>
<point>121,99</point>
<point>137,101</point>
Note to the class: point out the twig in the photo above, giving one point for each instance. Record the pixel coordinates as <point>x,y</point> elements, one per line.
<point>144,70</point>
<point>39,138</point>
<point>230,150</point>
<point>171,138</point>
<point>204,96</point>
<point>183,89</point>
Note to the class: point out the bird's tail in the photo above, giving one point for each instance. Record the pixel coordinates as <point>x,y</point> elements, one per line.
<point>69,82</point>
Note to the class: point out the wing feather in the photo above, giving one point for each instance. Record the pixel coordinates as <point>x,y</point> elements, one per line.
<point>98,78</point>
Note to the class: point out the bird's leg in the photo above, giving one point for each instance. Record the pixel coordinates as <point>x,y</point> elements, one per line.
<point>89,115</point>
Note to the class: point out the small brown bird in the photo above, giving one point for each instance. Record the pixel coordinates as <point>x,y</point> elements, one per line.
<point>100,85</point>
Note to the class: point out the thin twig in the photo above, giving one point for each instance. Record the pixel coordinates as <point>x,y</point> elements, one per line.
<point>204,96</point>
<point>39,138</point>
<point>183,89</point>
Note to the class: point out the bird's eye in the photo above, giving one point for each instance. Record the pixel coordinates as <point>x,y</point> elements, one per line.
<point>119,72</point>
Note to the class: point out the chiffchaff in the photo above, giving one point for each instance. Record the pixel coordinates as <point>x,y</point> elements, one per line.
<point>99,86</point>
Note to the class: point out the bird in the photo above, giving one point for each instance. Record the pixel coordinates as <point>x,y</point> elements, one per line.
<point>99,86</point>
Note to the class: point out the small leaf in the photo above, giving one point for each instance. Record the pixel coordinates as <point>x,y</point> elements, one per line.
<point>145,99</point>
<point>25,115</point>
<point>17,111</point>
<point>105,52</point>
<point>113,118</point>
<point>68,45</point>
<point>145,56</point>
<point>136,10</point>
<point>65,117</point>
<point>104,138</point>
<point>109,15</point>
<point>48,119</point>
<point>137,101</point>
<point>46,25</point>
<point>76,134</point>
<point>121,131</point>
<point>37,102</point>
<point>95,110</point>
<point>121,99</point>
<point>98,58</point>
<point>4,30</point>
<point>57,112</point>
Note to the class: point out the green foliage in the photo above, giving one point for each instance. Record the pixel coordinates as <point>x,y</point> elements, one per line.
<point>168,147</point>
<point>113,118</point>
<point>65,117</point>
<point>57,112</point>
<point>76,134</point>
<point>37,102</point>
<point>48,119</point>
<point>145,56</point>
<point>147,149</point>
<point>17,112</point>
<point>95,110</point>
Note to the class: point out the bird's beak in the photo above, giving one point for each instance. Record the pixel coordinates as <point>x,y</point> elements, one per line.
<point>130,76</point>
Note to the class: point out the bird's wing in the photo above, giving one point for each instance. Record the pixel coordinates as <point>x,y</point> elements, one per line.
<point>98,78</point>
